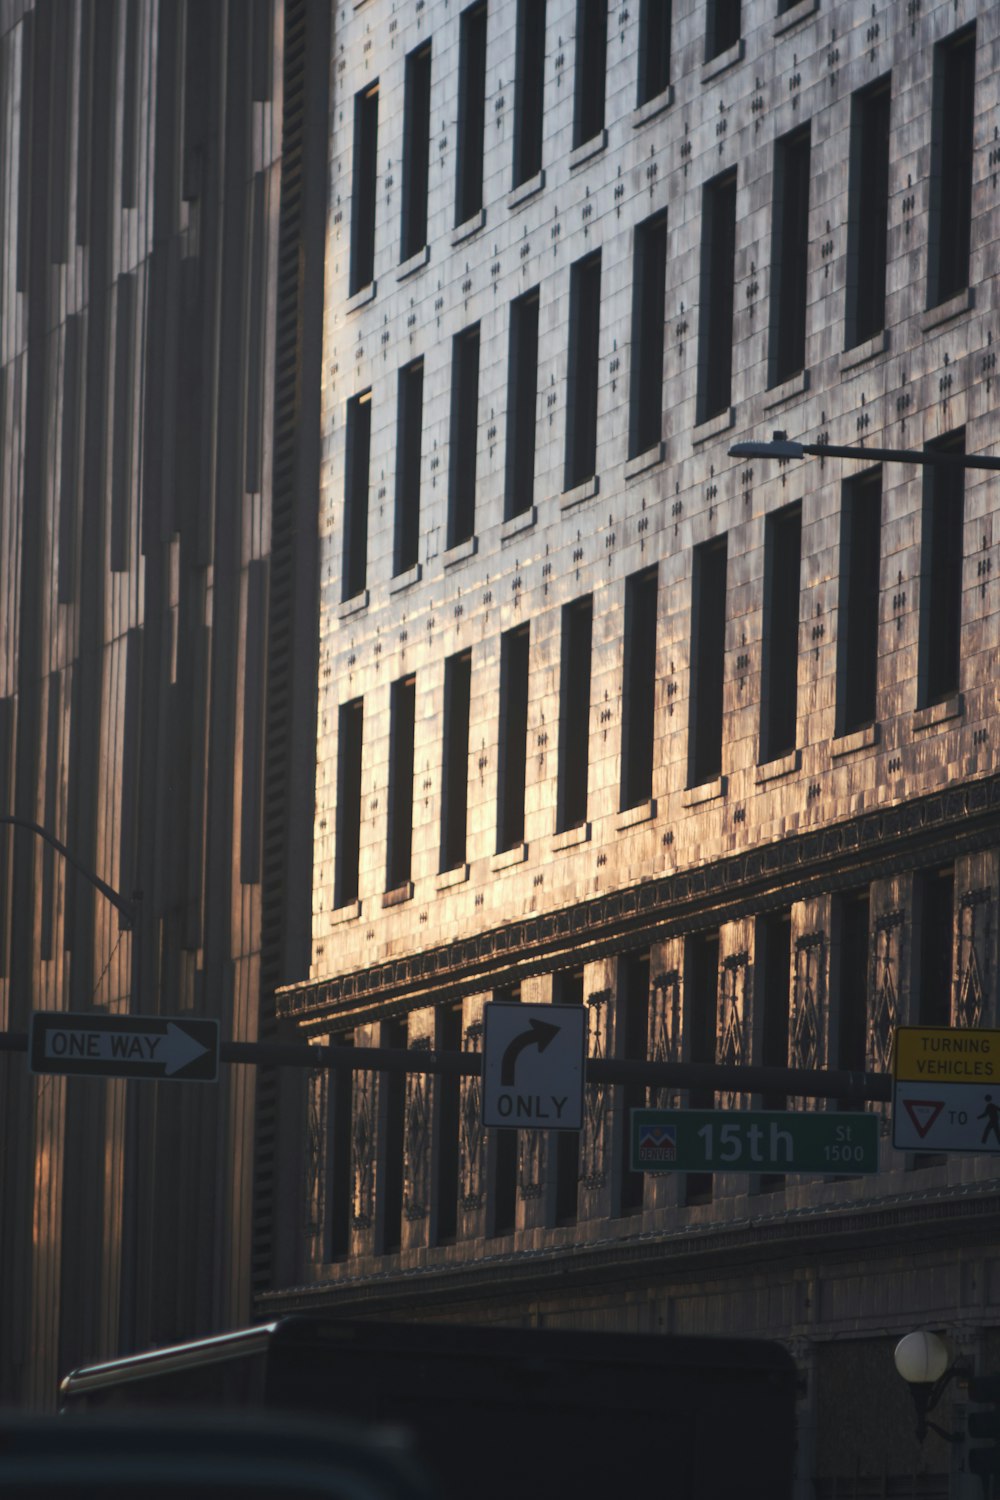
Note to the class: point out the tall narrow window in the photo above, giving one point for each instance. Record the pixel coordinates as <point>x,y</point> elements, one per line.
<point>513,736</point>
<point>567,990</point>
<point>935,912</point>
<point>574,713</point>
<point>447,1101</point>
<point>392,1109</point>
<point>401,730</point>
<point>455,780</point>
<point>584,328</point>
<point>359,433</point>
<point>522,394</point>
<point>654,49</point>
<point>350,730</point>
<point>591,61</point>
<point>868,213</point>
<point>851,914</point>
<point>416,150</point>
<point>124,443</point>
<point>338,1195</point>
<point>69,458</point>
<point>631,1031</point>
<point>701,1000</point>
<point>789,256</point>
<point>464,429</point>
<point>780,646</point>
<point>639,688</point>
<point>363,189</point>
<point>857,627</point>
<point>648,293</point>
<point>941,574</point>
<point>502,1159</point>
<point>708,649</point>
<point>773,964</point>
<point>409,426</point>
<point>951,166</point>
<point>51,812</point>
<point>715,318</point>
<point>471,113</point>
<point>723,29</point>
<point>529,90</point>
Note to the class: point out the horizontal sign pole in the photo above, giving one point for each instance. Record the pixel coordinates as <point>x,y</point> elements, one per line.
<point>807,1083</point>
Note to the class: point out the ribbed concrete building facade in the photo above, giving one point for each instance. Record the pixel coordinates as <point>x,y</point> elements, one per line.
<point>154,387</point>
<point>609,718</point>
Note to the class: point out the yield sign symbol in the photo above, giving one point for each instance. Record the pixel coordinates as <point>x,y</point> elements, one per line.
<point>923,1113</point>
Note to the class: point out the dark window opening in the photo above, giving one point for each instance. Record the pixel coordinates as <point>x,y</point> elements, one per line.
<point>723,29</point>
<point>648,300</point>
<point>83,121</point>
<point>254,679</point>
<point>359,434</point>
<point>130,845</point>
<point>124,436</point>
<point>464,430</point>
<point>455,787</point>
<point>522,394</point>
<point>851,919</point>
<point>935,911</point>
<point>574,713</point>
<point>53,721</point>
<point>773,963</point>
<point>261,49</point>
<point>941,550</point>
<point>339,1186</point>
<point>350,731</point>
<point>632,1029</point>
<point>502,1204</point>
<point>69,458</point>
<point>567,990</point>
<point>416,150</point>
<point>447,1095</point>
<point>584,329</point>
<point>403,703</point>
<point>59,150</point>
<point>868,213</point>
<point>951,166</point>
<point>780,646</point>
<point>708,654</point>
<point>392,1108</point>
<point>715,319</point>
<point>701,999</point>
<point>857,665</point>
<point>654,49</point>
<point>513,736</point>
<point>789,256</point>
<point>130,98</point>
<point>410,423</point>
<point>591,69</point>
<point>639,688</point>
<point>529,90</point>
<point>471,113</point>
<point>363,190</point>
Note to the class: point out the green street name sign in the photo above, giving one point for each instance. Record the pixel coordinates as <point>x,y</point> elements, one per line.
<point>760,1140</point>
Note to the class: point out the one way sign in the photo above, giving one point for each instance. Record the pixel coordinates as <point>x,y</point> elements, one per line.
<point>533,1061</point>
<point>155,1047</point>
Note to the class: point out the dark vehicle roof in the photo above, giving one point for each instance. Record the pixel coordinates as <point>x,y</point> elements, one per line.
<point>192,1452</point>
<point>299,1331</point>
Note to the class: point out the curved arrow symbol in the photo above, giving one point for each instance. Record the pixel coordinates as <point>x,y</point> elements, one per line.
<point>539,1034</point>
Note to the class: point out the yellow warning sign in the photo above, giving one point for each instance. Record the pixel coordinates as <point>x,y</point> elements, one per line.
<point>942,1054</point>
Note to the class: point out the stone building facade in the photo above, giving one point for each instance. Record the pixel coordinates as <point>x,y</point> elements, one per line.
<point>607,717</point>
<point>161,227</point>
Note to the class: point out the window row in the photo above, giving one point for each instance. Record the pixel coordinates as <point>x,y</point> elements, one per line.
<point>529,85</point>
<point>857,675</point>
<point>714,1009</point>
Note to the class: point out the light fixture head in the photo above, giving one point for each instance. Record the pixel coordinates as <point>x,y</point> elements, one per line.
<point>778,447</point>
<point>921,1358</point>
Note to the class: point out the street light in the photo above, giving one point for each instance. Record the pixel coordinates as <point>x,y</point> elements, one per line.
<point>923,1360</point>
<point>782,448</point>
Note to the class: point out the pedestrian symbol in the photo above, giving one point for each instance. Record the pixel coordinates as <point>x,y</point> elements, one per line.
<point>991,1114</point>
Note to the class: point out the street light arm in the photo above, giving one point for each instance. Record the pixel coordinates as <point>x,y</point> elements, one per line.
<point>128,909</point>
<point>782,448</point>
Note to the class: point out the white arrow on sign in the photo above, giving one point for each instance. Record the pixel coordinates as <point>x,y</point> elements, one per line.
<point>172,1051</point>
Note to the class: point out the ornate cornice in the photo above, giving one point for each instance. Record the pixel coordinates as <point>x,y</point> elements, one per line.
<point>922,831</point>
<point>837,1233</point>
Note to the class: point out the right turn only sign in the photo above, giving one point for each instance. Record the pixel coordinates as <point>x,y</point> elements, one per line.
<point>946,1089</point>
